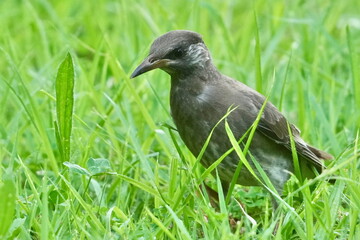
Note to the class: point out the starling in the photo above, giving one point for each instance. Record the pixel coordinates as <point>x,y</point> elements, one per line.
<point>201,96</point>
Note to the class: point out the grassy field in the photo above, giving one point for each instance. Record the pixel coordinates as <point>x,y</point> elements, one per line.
<point>112,168</point>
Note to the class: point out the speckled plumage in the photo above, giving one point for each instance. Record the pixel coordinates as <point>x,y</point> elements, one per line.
<point>200,96</point>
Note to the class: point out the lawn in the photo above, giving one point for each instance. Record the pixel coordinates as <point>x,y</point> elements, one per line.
<point>88,153</point>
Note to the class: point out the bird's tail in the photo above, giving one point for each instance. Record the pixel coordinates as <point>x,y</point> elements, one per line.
<point>324,156</point>
<point>320,154</point>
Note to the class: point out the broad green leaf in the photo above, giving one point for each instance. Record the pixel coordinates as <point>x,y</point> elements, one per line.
<point>98,166</point>
<point>76,168</point>
<point>64,105</point>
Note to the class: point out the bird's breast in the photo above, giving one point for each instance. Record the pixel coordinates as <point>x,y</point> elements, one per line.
<point>193,118</point>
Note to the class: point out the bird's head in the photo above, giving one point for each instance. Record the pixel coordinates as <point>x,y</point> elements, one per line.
<point>177,52</point>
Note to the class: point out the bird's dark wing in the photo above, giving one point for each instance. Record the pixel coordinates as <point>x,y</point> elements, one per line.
<point>275,126</point>
<point>272,123</point>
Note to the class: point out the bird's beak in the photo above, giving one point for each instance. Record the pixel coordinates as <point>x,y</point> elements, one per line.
<point>148,65</point>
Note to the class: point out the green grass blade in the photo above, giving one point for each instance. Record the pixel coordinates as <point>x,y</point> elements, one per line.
<point>222,202</point>
<point>86,206</point>
<point>284,84</point>
<point>160,224</point>
<point>354,61</point>
<point>180,224</point>
<point>142,186</point>
<point>294,154</point>
<point>246,148</point>
<point>7,205</point>
<point>258,74</point>
<point>309,219</point>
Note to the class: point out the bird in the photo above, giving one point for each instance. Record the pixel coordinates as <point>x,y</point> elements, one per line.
<point>200,99</point>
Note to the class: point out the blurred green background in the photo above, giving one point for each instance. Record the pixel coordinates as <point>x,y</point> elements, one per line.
<point>309,57</point>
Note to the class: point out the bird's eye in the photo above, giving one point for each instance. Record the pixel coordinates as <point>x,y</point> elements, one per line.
<point>175,54</point>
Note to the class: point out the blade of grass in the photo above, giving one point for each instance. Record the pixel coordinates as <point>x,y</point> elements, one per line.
<point>45,225</point>
<point>354,68</point>
<point>251,170</point>
<point>143,187</point>
<point>222,202</point>
<point>294,154</point>
<point>355,193</point>
<point>7,204</point>
<point>258,75</point>
<point>94,220</point>
<point>160,224</point>
<point>284,83</point>
<point>309,220</point>
<point>179,196</point>
<point>173,173</point>
<point>31,108</point>
<point>184,233</point>
<point>120,74</point>
<point>246,148</point>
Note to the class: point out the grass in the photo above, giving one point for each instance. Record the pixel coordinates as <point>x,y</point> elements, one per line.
<point>127,175</point>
